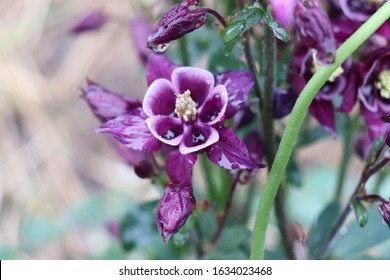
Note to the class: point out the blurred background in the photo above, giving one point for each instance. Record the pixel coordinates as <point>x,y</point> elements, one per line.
<point>62,187</point>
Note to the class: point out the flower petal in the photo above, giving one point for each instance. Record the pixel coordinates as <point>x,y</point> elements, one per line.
<point>168,130</point>
<point>323,111</point>
<point>197,137</point>
<point>106,104</point>
<point>230,152</point>
<point>159,66</point>
<point>213,109</point>
<point>283,102</point>
<point>131,130</point>
<point>179,166</point>
<point>376,127</point>
<point>198,81</point>
<point>159,99</point>
<point>238,84</point>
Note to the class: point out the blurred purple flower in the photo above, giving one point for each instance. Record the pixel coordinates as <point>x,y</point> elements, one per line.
<point>315,30</point>
<point>359,10</point>
<point>384,210</point>
<point>178,21</point>
<point>362,146</point>
<point>91,21</point>
<point>284,101</point>
<point>284,11</point>
<point>187,112</point>
<point>174,208</point>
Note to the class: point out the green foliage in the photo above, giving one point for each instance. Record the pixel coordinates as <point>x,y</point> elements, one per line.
<point>360,212</point>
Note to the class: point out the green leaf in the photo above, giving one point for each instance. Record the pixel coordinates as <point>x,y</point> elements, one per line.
<point>322,227</point>
<point>279,32</point>
<point>360,212</point>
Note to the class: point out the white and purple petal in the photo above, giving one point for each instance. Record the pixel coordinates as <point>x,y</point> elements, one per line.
<point>198,81</point>
<point>197,137</point>
<point>168,130</point>
<point>179,167</point>
<point>213,109</point>
<point>131,130</point>
<point>159,99</point>
<point>230,152</point>
<point>238,84</point>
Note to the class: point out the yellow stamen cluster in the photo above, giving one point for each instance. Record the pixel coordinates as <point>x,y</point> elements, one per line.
<point>383,83</point>
<point>185,107</point>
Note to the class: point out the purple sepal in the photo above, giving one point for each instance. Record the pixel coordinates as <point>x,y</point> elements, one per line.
<point>106,104</point>
<point>238,84</point>
<point>384,210</point>
<point>283,103</point>
<point>132,131</point>
<point>91,21</point>
<point>179,166</point>
<point>315,30</point>
<point>350,93</point>
<point>174,208</point>
<point>376,127</point>
<point>178,21</point>
<point>255,149</point>
<point>323,111</point>
<point>159,66</point>
<point>230,152</point>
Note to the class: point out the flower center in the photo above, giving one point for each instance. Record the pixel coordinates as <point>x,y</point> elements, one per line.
<point>185,107</point>
<point>383,83</point>
<point>315,67</point>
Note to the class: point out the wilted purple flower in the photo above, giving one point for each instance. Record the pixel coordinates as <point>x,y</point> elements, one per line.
<point>174,208</point>
<point>360,10</point>
<point>91,21</point>
<point>284,11</point>
<point>303,66</point>
<point>284,101</point>
<point>371,86</point>
<point>187,111</point>
<point>315,30</point>
<point>178,21</point>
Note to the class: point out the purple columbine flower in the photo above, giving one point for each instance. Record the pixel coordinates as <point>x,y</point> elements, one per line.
<point>91,21</point>
<point>360,10</point>
<point>370,85</point>
<point>315,30</point>
<point>174,208</point>
<point>175,23</point>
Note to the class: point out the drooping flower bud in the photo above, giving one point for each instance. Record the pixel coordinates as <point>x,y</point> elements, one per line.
<point>91,21</point>
<point>178,21</point>
<point>174,208</point>
<point>384,210</point>
<point>315,30</point>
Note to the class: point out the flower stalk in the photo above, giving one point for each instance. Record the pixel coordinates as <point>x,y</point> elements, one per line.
<point>294,124</point>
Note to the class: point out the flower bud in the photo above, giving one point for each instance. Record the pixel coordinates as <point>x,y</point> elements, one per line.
<point>93,20</point>
<point>315,30</point>
<point>178,21</point>
<point>174,208</point>
<point>144,169</point>
<point>384,210</point>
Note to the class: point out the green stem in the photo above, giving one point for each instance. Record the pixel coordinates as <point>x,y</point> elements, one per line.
<point>211,188</point>
<point>295,121</point>
<point>183,51</point>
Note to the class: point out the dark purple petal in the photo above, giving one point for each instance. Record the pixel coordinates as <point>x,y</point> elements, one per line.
<point>198,81</point>
<point>315,30</point>
<point>359,10</point>
<point>323,111</point>
<point>159,66</point>
<point>131,130</point>
<point>376,127</point>
<point>197,137</point>
<point>238,84</point>
<point>384,210</point>
<point>178,21</point>
<point>105,104</point>
<point>245,116</point>
<point>179,166</point>
<point>93,20</point>
<point>230,152</point>
<point>159,99</point>
<point>174,208</point>
<point>140,27</point>
<point>350,94</point>
<point>213,109</point>
<point>168,130</point>
<point>386,118</point>
<point>363,146</point>
<point>254,145</point>
<point>284,101</point>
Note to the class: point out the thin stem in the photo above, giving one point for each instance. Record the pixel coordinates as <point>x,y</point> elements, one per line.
<point>228,205</point>
<point>217,15</point>
<point>295,121</point>
<point>251,65</point>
